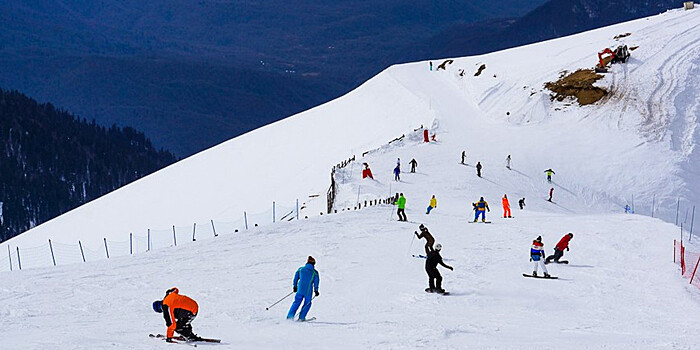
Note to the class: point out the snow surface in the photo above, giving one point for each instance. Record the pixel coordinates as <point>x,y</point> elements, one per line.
<point>621,290</point>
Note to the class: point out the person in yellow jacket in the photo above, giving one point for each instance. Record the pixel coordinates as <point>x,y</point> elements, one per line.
<point>433,205</point>
<point>506,207</point>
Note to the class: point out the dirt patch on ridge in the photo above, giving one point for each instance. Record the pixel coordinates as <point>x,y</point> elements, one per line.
<point>579,85</point>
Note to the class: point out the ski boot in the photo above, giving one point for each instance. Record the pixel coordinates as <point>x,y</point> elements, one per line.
<point>534,273</point>
<point>546,275</point>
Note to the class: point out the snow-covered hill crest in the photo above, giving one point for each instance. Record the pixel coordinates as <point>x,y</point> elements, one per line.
<point>637,142</point>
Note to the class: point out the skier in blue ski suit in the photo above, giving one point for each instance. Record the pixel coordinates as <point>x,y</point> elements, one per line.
<point>305,282</point>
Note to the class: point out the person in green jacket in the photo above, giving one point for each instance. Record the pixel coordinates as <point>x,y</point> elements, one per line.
<point>549,173</point>
<point>402,205</point>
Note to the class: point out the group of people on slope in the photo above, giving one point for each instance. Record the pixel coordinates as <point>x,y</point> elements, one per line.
<point>537,255</point>
<point>180,310</point>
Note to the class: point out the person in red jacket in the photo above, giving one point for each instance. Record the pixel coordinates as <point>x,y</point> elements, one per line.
<point>178,311</point>
<point>559,249</point>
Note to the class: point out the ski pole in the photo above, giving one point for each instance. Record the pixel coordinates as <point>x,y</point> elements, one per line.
<point>411,246</point>
<point>278,301</point>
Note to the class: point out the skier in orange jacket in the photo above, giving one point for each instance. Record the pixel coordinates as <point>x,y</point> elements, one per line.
<point>506,207</point>
<point>178,311</point>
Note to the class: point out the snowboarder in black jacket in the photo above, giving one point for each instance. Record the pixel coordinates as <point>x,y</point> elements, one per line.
<point>431,263</point>
<point>414,164</point>
<point>478,169</point>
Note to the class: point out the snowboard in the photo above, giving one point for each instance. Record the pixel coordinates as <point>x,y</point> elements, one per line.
<point>558,262</point>
<point>308,319</point>
<point>427,290</point>
<point>542,277</point>
<point>479,222</point>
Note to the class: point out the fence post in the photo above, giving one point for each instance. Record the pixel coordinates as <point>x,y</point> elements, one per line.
<point>9,256</point>
<point>131,243</point>
<point>52,256</point>
<point>678,206</point>
<point>19,260</point>
<point>653,200</point>
<point>297,208</point>
<point>81,250</point>
<point>692,219</point>
<point>633,202</point>
<point>694,270</point>
<point>174,236</point>
<point>213,228</point>
<point>245,218</point>
<point>273,212</point>
<point>148,240</point>
<point>194,229</point>
<point>106,250</point>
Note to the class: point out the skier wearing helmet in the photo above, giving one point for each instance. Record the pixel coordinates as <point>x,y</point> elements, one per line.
<point>434,278</point>
<point>178,311</point>
<point>305,282</point>
<point>559,249</point>
<point>536,255</point>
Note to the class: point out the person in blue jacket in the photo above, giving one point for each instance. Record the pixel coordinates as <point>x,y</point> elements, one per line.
<point>305,282</point>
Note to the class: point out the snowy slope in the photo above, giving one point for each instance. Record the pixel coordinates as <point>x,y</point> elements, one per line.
<point>640,141</point>
<point>621,290</point>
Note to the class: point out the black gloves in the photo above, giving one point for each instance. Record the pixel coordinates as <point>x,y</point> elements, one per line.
<point>295,289</point>
<point>567,249</point>
<point>451,268</point>
<point>316,293</point>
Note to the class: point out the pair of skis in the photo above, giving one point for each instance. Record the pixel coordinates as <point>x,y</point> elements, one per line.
<point>182,340</point>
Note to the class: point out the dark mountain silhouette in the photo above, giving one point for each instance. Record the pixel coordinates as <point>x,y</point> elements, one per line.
<point>191,74</point>
<point>553,19</point>
<point>51,162</point>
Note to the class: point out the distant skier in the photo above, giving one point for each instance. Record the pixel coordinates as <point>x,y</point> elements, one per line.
<point>431,65</point>
<point>506,207</point>
<point>305,282</point>
<point>398,162</point>
<point>551,193</point>
<point>508,162</point>
<point>432,205</point>
<point>366,172</point>
<point>402,206</point>
<point>559,248</point>
<point>414,164</point>
<point>425,135</point>
<point>628,209</point>
<point>178,311</point>
<point>521,203</point>
<point>397,173</point>
<point>431,263</point>
<point>464,156</point>
<point>537,256</point>
<point>549,173</point>
<point>429,240</point>
<point>478,169</point>
<point>481,208</point>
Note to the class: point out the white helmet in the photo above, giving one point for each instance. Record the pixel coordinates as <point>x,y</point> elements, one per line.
<point>438,247</point>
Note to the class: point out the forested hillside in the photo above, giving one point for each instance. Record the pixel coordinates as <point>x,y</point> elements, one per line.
<point>52,162</point>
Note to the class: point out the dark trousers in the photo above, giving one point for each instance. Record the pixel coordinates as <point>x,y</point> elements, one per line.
<point>182,325</point>
<point>521,205</point>
<point>557,255</point>
<point>413,168</point>
<point>478,172</point>
<point>402,214</point>
<point>434,279</point>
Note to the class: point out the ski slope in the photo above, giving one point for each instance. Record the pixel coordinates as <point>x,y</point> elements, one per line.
<point>620,291</point>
